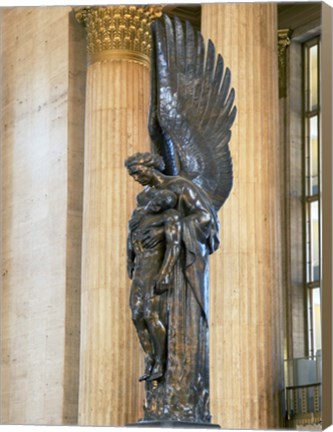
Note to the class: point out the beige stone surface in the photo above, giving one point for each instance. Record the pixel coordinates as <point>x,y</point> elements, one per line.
<point>246,303</point>
<point>116,127</point>
<point>291,138</point>
<point>41,181</point>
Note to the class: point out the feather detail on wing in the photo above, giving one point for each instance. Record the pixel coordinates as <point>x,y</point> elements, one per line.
<point>192,108</point>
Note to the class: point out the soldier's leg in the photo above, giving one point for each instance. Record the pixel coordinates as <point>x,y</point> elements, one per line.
<point>137,308</point>
<point>158,335</point>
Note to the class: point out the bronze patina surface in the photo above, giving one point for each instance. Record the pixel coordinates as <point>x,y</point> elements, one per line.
<point>187,178</point>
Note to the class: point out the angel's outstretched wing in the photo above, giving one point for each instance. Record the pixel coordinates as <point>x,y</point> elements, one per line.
<point>191,109</point>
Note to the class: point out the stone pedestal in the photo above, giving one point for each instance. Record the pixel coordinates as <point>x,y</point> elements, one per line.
<point>173,425</point>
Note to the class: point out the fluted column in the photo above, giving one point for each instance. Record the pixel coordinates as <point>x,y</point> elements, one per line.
<point>116,126</point>
<point>246,303</point>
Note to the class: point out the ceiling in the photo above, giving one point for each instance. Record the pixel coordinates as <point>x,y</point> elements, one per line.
<point>290,15</point>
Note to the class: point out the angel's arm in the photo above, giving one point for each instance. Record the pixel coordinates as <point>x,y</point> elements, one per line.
<point>130,256</point>
<point>136,218</point>
<point>197,211</point>
<point>134,221</point>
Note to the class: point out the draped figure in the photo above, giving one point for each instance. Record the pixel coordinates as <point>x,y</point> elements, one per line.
<point>187,177</point>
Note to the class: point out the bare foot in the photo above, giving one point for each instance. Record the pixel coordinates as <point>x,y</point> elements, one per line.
<point>148,369</point>
<point>157,372</point>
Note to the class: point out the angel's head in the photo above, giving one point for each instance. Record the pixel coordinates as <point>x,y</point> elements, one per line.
<point>142,167</point>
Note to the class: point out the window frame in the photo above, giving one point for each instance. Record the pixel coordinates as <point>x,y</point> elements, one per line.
<point>311,283</point>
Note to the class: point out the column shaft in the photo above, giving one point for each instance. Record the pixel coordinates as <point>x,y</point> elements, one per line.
<point>116,109</point>
<point>246,304</point>
<point>116,126</point>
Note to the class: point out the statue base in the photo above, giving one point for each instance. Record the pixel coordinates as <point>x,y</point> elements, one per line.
<point>173,424</point>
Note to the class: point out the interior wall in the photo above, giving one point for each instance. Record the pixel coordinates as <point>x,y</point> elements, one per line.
<point>75,153</point>
<point>304,22</point>
<point>291,143</point>
<point>327,135</point>
<point>42,151</point>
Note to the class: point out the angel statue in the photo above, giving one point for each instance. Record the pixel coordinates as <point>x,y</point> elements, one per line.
<point>187,178</point>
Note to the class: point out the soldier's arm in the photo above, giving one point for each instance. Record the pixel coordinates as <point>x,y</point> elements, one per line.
<point>172,227</point>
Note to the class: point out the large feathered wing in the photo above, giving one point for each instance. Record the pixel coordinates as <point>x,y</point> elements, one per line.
<point>192,108</point>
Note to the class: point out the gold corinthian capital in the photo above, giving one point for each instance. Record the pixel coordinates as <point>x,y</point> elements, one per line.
<point>284,40</point>
<point>118,32</point>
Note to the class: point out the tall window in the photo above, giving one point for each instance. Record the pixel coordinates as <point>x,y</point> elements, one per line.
<point>312,190</point>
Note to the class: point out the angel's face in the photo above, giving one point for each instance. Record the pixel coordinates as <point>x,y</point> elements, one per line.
<point>142,174</point>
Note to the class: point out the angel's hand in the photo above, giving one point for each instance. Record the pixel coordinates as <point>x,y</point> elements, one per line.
<point>151,237</point>
<point>135,219</point>
<point>133,224</point>
<point>162,284</point>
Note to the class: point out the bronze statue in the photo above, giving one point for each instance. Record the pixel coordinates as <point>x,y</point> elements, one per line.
<point>149,267</point>
<point>187,178</point>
